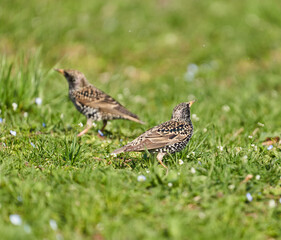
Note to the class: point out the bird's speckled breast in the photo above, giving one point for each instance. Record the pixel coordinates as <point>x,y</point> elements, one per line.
<point>89,112</point>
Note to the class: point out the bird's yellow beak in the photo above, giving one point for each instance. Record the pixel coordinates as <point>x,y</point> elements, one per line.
<point>61,71</point>
<point>191,102</point>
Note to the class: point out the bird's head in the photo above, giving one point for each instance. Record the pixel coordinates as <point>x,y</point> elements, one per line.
<point>74,78</point>
<point>182,111</point>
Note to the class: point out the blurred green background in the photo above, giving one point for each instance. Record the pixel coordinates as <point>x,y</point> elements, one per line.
<point>150,56</point>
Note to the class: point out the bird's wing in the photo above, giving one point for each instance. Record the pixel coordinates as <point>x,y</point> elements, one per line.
<point>95,98</point>
<point>167,133</point>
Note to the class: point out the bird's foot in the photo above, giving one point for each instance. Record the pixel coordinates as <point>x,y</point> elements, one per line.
<point>159,158</point>
<point>101,135</point>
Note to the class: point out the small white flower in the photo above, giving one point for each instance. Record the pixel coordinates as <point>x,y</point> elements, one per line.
<point>141,178</point>
<point>59,236</point>
<point>100,226</point>
<point>14,133</point>
<point>279,200</point>
<point>61,116</point>
<point>272,203</point>
<point>197,198</point>
<point>191,96</point>
<point>113,154</point>
<point>249,197</point>
<point>15,106</point>
<point>260,124</point>
<point>193,153</point>
<point>80,124</point>
<point>195,118</point>
<point>220,148</point>
<point>147,171</point>
<point>269,147</point>
<point>27,228</point>
<point>94,124</point>
<point>53,224</point>
<point>179,173</point>
<point>231,186</point>
<point>15,219</point>
<point>250,137</point>
<point>225,108</point>
<point>245,159</point>
<point>19,198</point>
<point>38,101</point>
<point>181,162</point>
<point>258,177</point>
<point>201,215</point>
<point>25,114</point>
<point>187,156</point>
<point>192,170</point>
<point>238,149</point>
<point>191,72</point>
<point>170,184</point>
<point>205,130</point>
<point>120,96</point>
<point>254,146</point>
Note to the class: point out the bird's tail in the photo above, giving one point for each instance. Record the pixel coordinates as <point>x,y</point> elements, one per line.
<point>134,119</point>
<point>119,150</point>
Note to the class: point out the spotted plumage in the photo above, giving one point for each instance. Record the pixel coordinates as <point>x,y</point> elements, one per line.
<point>169,137</point>
<point>92,102</point>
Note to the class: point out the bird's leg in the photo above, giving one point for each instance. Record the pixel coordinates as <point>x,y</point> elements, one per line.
<point>104,125</point>
<point>160,157</point>
<point>89,125</point>
<point>100,134</point>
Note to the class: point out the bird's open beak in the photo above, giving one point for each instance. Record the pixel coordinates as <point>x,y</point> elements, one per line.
<point>191,102</point>
<point>61,71</point>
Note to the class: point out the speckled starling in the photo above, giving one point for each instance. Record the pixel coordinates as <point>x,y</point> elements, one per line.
<point>168,137</point>
<point>92,102</point>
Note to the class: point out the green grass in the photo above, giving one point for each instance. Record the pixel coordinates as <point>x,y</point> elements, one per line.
<point>138,52</point>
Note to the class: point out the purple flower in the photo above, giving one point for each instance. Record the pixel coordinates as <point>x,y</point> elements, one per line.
<point>14,133</point>
<point>100,133</point>
<point>1,120</point>
<point>44,124</point>
<point>270,147</point>
<point>249,197</point>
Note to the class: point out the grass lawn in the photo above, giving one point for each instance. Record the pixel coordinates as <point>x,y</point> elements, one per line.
<point>150,56</point>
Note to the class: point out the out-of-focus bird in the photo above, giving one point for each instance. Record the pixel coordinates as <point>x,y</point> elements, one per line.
<point>168,137</point>
<point>92,102</point>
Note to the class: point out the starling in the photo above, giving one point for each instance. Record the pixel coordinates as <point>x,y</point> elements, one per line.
<point>168,137</point>
<point>92,102</point>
